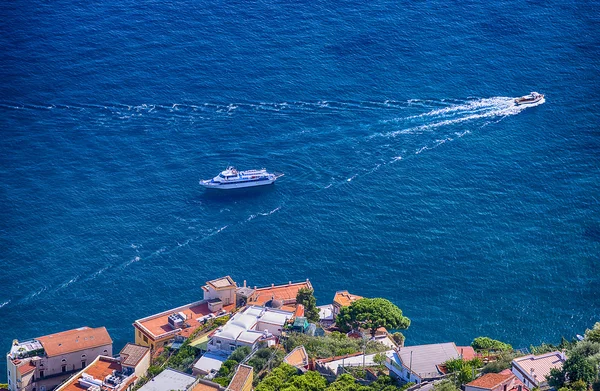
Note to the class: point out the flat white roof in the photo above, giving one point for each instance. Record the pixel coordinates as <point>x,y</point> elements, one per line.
<point>210,362</point>
<point>243,320</point>
<point>249,336</point>
<point>275,318</point>
<point>168,380</point>
<point>325,312</point>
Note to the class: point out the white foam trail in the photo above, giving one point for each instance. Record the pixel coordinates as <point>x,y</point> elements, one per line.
<point>66,284</point>
<point>5,303</point>
<point>493,107</point>
<point>351,178</point>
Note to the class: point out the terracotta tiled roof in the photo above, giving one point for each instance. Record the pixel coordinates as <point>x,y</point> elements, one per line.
<point>467,352</point>
<point>344,299</point>
<point>286,293</point>
<point>132,354</point>
<point>239,379</point>
<point>74,340</point>
<point>297,357</point>
<point>99,369</point>
<point>158,325</point>
<point>26,368</point>
<point>206,387</point>
<point>491,380</point>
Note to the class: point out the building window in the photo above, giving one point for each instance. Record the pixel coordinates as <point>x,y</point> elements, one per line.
<point>139,333</point>
<point>105,352</point>
<point>83,364</point>
<point>64,368</point>
<point>145,339</point>
<point>82,356</point>
<point>41,374</point>
<point>232,347</point>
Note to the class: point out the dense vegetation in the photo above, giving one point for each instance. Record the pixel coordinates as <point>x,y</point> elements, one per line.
<point>306,297</point>
<point>329,345</point>
<point>371,314</point>
<point>464,371</point>
<point>486,343</point>
<point>287,378</point>
<point>582,368</point>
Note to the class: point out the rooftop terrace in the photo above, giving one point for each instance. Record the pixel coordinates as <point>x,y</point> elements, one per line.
<point>158,325</point>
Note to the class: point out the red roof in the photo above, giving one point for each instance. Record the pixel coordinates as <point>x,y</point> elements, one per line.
<point>24,369</point>
<point>491,380</point>
<point>74,340</point>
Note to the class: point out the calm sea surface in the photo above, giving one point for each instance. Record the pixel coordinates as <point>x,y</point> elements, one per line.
<point>409,173</point>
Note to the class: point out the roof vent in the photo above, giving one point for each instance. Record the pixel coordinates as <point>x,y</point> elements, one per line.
<point>176,320</point>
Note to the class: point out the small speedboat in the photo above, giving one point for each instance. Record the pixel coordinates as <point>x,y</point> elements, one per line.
<point>234,179</point>
<point>532,98</point>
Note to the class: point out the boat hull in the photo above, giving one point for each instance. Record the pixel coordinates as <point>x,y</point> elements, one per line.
<point>239,185</point>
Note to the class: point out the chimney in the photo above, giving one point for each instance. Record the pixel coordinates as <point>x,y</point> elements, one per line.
<point>272,285</point>
<point>289,283</point>
<point>244,283</point>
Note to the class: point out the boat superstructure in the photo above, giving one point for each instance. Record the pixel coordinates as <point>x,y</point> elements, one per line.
<point>532,98</point>
<point>234,179</point>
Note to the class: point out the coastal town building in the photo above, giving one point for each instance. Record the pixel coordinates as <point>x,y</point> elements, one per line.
<point>136,359</point>
<point>248,327</point>
<point>242,379</point>
<point>156,330</point>
<point>532,370</point>
<point>343,299</point>
<point>108,373</point>
<point>326,318</point>
<point>420,363</point>
<point>503,381</point>
<point>170,380</point>
<point>219,292</point>
<point>45,362</point>
<point>276,296</point>
<point>298,358</point>
<point>209,364</point>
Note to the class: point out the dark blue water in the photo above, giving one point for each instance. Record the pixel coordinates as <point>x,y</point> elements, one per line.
<point>409,174</point>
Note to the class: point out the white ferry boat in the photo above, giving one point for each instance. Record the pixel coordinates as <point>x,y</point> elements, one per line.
<point>234,179</point>
<point>532,98</point>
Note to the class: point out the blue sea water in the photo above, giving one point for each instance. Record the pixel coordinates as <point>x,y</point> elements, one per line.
<point>409,173</point>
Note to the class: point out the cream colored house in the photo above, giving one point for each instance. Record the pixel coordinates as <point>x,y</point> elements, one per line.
<point>45,362</point>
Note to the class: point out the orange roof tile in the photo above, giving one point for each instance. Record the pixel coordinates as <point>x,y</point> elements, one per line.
<point>239,378</point>
<point>206,387</point>
<point>297,357</point>
<point>24,369</point>
<point>467,352</point>
<point>74,340</point>
<point>491,380</point>
<point>344,299</point>
<point>159,325</point>
<point>286,293</point>
<point>99,369</point>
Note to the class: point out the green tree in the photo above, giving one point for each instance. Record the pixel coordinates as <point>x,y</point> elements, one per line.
<point>240,353</point>
<point>486,343</point>
<point>278,378</point>
<point>593,335</point>
<point>502,362</point>
<point>310,381</point>
<point>578,368</point>
<point>372,314</point>
<point>556,379</point>
<point>346,382</point>
<point>399,338</point>
<point>445,385</point>
<point>306,297</point>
